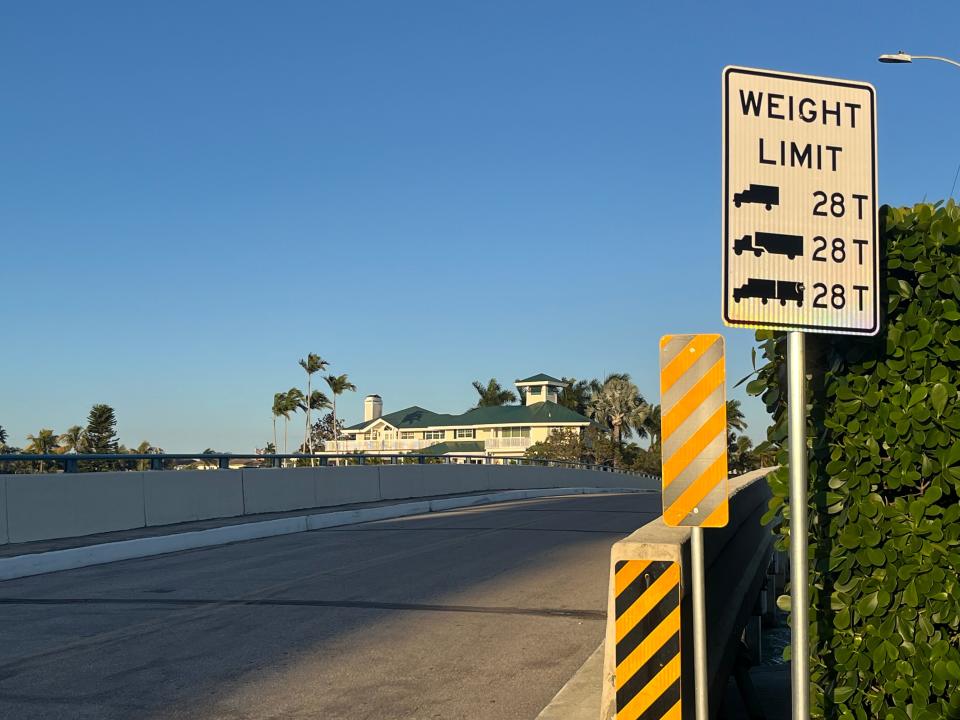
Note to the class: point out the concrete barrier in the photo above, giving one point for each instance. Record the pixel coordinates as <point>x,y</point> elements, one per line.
<point>278,489</point>
<point>40,507</point>
<point>409,481</point>
<point>188,495</point>
<point>4,538</point>
<point>736,559</point>
<point>38,563</point>
<point>44,507</point>
<point>347,485</point>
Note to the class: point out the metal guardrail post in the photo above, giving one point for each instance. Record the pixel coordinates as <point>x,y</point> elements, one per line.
<point>156,463</point>
<point>224,462</point>
<point>70,465</point>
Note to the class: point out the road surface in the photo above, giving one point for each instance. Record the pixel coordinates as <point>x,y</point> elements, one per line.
<point>481,613</point>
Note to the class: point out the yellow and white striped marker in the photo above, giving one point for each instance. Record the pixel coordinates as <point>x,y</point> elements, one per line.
<point>693,412</point>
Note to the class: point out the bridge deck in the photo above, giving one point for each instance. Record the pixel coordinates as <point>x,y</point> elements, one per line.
<point>480,613</point>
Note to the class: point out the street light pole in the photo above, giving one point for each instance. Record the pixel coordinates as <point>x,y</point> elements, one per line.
<point>902,57</point>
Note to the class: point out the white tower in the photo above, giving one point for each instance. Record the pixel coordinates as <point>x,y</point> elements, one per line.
<point>372,407</point>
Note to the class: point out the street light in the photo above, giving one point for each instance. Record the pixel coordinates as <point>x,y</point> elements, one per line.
<point>902,57</point>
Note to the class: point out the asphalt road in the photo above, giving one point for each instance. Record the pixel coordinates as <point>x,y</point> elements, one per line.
<point>482,613</point>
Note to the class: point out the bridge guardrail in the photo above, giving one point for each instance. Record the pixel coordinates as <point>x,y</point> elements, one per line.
<point>73,462</point>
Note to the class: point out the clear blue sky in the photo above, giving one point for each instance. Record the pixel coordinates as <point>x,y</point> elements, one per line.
<point>195,195</point>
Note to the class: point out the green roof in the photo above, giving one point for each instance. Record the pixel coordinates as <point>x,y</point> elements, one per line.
<point>454,447</point>
<point>543,412</point>
<point>411,417</point>
<point>540,377</point>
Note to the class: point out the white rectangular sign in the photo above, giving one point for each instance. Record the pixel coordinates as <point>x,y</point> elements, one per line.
<point>800,248</point>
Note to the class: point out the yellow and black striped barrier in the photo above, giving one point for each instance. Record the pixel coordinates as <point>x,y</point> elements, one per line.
<point>647,629</point>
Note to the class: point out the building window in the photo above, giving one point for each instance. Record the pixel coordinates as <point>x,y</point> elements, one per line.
<point>515,432</point>
<point>406,436</point>
<point>464,433</point>
<point>534,389</point>
<point>434,435</point>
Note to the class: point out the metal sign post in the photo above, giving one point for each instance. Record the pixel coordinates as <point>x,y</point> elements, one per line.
<point>800,250</point>
<point>799,603</point>
<point>693,403</point>
<point>701,690</point>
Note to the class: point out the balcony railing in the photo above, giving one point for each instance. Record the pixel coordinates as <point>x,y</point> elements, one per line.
<point>507,443</point>
<point>381,445</point>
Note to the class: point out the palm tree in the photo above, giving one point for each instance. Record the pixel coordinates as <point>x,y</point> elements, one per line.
<point>492,395</point>
<point>43,443</point>
<point>74,439</point>
<point>3,437</point>
<point>318,401</point>
<point>576,395</point>
<point>145,448</point>
<point>289,403</point>
<point>338,385</point>
<point>741,455</point>
<point>313,363</point>
<point>735,418</point>
<point>618,405</point>
<point>277,412</point>
<point>652,425</point>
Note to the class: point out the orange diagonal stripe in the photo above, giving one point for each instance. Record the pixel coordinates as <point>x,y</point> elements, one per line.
<point>646,649</point>
<point>675,416</point>
<point>689,451</point>
<point>682,361</point>
<point>653,690</point>
<point>719,517</point>
<point>627,574</point>
<point>646,602</point>
<point>673,713</point>
<point>698,490</point>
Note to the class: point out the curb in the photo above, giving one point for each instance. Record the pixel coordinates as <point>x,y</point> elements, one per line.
<point>69,559</point>
<point>579,699</point>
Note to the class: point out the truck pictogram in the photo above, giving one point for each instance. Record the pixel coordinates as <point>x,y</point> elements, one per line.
<point>773,243</point>
<point>766,290</point>
<point>766,195</point>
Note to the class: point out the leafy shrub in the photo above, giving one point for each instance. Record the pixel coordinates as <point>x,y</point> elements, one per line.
<point>884,497</point>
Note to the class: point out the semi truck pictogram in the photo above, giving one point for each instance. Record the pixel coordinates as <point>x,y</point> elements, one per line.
<point>766,290</point>
<point>773,243</point>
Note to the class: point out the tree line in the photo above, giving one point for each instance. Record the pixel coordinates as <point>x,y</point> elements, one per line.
<point>98,437</point>
<point>621,413</point>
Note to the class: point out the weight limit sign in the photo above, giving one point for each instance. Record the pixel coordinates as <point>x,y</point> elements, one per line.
<point>800,245</point>
<point>693,421</point>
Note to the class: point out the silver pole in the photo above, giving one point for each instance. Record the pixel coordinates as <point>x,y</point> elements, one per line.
<point>799,602</point>
<point>701,686</point>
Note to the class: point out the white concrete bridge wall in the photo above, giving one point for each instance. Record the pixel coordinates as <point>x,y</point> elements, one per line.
<point>48,506</point>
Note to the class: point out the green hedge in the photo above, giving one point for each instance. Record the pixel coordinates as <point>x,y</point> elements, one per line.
<point>884,439</point>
